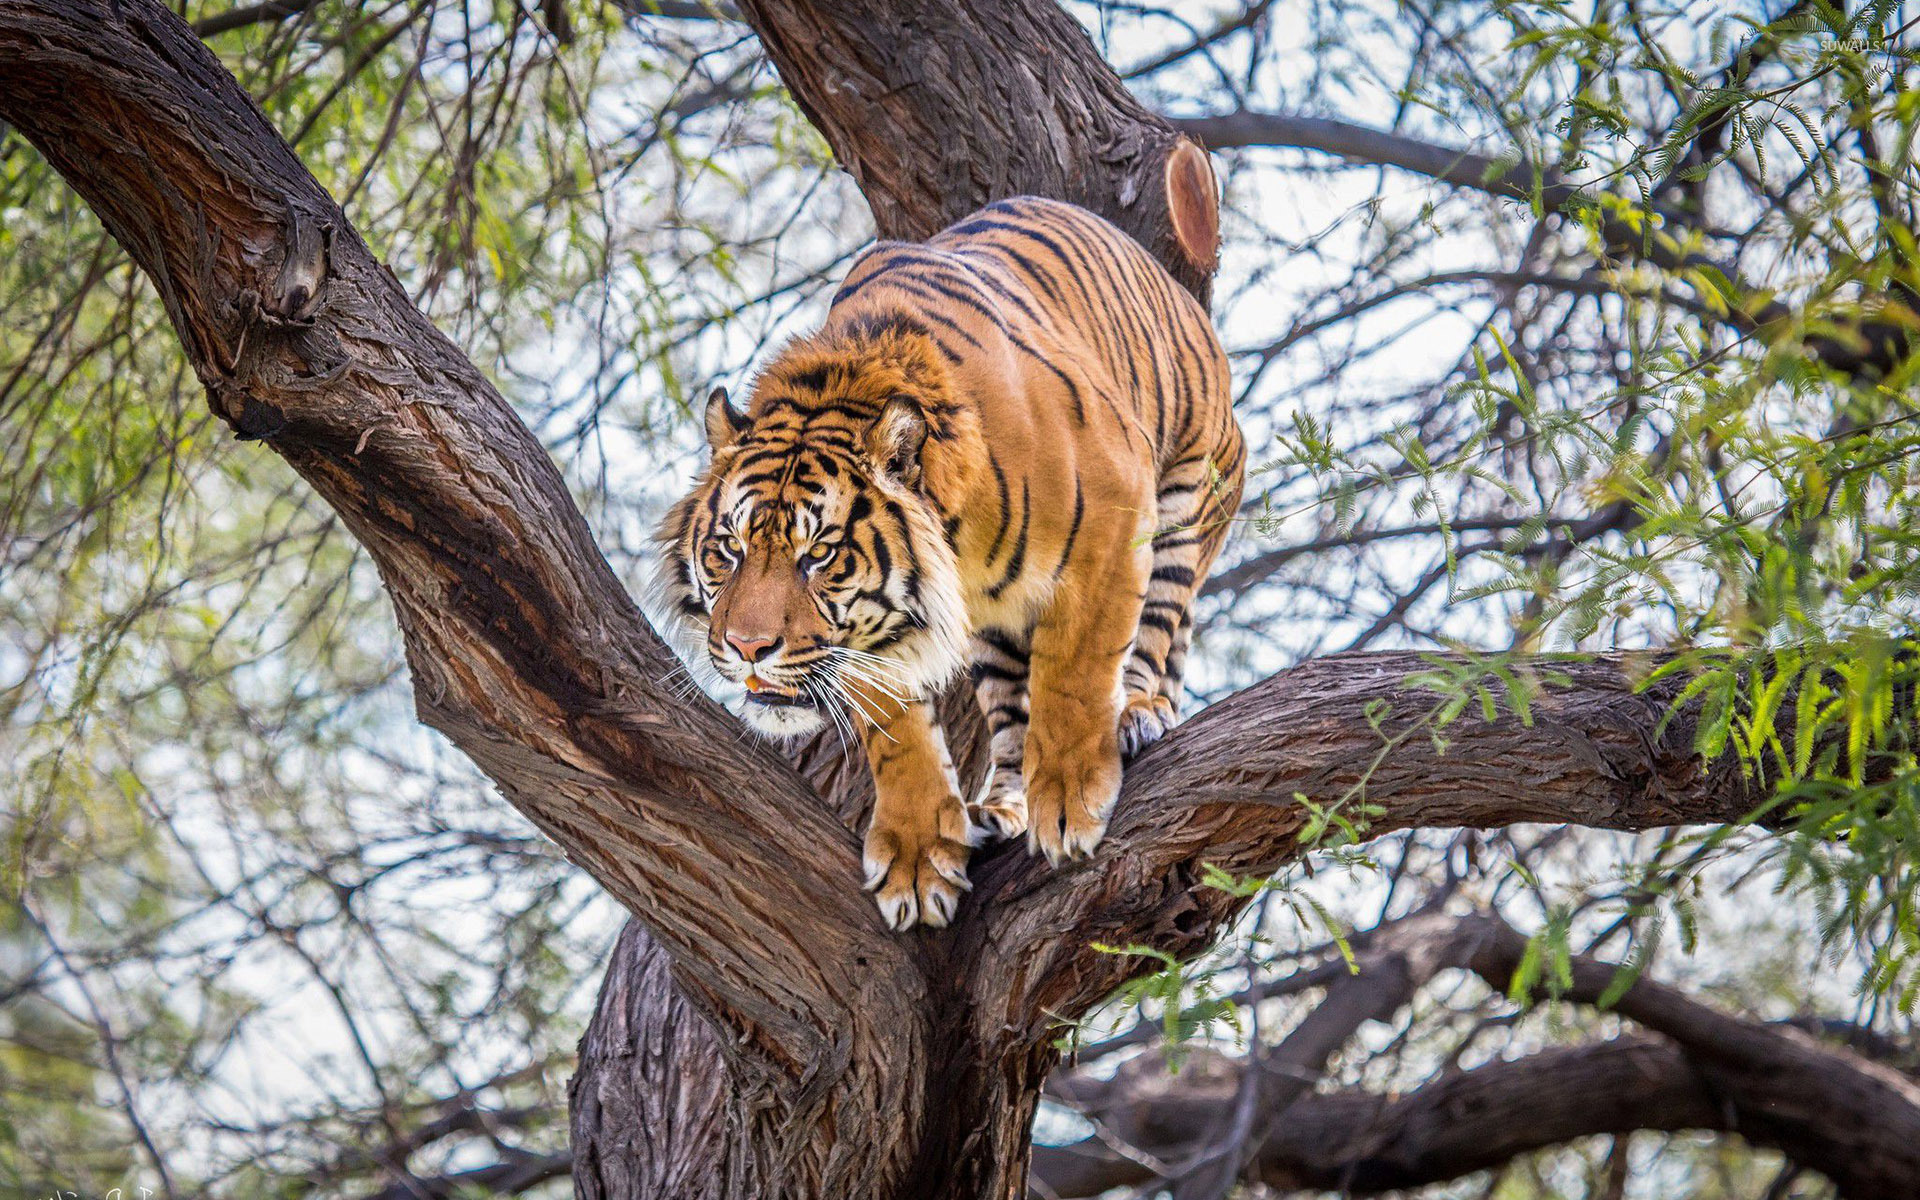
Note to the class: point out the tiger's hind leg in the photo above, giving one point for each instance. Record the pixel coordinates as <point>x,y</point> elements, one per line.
<point>1000,664</point>
<point>1192,525</point>
<point>1079,651</point>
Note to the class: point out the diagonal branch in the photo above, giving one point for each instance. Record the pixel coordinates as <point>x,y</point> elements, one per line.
<point>1863,347</point>
<point>240,17</point>
<point>1358,143</point>
<point>1221,792</point>
<point>524,647</point>
<point>1826,1106</point>
<point>1361,1142</point>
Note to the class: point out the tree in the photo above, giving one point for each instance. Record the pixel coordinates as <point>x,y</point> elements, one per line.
<point>922,1078</point>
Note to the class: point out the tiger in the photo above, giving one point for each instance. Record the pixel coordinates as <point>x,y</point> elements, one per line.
<point>1008,450</point>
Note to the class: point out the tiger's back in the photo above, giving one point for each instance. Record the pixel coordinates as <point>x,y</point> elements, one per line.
<point>1061,410</point>
<point>1097,329</point>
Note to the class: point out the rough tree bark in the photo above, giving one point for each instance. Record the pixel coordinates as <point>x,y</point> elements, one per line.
<point>938,108</point>
<point>818,1055</point>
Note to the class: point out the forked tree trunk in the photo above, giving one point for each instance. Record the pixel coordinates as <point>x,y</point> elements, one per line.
<point>767,1036</point>
<point>655,1110</point>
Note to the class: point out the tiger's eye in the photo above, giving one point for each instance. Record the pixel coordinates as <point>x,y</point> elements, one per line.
<point>732,544</point>
<point>819,552</point>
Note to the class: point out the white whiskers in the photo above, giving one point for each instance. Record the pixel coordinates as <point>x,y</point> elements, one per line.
<point>883,676</point>
<point>857,703</point>
<point>842,727</point>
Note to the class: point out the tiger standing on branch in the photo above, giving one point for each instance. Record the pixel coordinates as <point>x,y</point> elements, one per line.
<point>1010,449</point>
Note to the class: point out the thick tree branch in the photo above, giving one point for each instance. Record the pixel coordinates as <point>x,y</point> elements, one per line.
<point>1221,791</point>
<point>653,1082</point>
<point>1854,1120</point>
<point>524,647</point>
<point>937,109</point>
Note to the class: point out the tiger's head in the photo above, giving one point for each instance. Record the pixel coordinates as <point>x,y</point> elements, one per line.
<point>809,553</point>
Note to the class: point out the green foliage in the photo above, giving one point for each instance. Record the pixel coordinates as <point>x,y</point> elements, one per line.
<point>1760,499</point>
<point>1184,996</point>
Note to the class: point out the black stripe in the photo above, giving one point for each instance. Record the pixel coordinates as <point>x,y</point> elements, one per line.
<point>896,254</point>
<point>980,669</point>
<point>1005,643</point>
<point>873,326</point>
<point>933,296</point>
<point>1006,508</point>
<point>1018,559</point>
<point>1073,530</point>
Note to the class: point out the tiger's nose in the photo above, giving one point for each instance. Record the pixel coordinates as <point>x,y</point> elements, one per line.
<point>752,649</point>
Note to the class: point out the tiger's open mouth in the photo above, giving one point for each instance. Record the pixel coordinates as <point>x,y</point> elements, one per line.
<point>770,697</point>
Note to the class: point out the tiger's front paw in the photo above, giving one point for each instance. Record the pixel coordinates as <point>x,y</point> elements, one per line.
<point>1068,804</point>
<point>1144,721</point>
<point>917,869</point>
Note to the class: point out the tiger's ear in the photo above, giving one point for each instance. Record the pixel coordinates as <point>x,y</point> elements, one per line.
<point>895,439</point>
<point>724,421</point>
